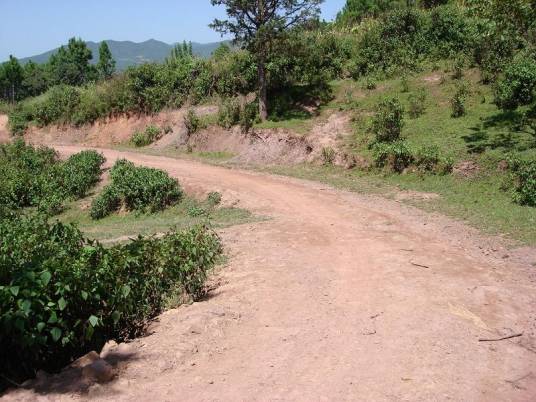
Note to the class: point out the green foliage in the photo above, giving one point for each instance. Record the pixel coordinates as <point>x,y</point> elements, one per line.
<point>396,156</point>
<point>428,159</point>
<point>146,137</point>
<point>355,11</point>
<point>214,198</point>
<point>524,173</point>
<point>35,177</point>
<point>229,113</point>
<point>388,120</point>
<point>328,155</point>
<point>192,122</point>
<point>417,103</point>
<point>19,119</point>
<point>457,102</point>
<point>106,64</point>
<point>518,86</point>
<point>62,295</point>
<point>139,189</point>
<point>70,65</point>
<point>58,106</point>
<point>81,172</point>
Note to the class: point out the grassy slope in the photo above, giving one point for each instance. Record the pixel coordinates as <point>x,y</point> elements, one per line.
<point>484,136</point>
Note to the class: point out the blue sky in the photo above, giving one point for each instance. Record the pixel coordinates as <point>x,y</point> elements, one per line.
<point>30,27</point>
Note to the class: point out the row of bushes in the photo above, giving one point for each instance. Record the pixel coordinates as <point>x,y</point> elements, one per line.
<point>35,177</point>
<point>398,156</point>
<point>62,295</point>
<point>135,188</point>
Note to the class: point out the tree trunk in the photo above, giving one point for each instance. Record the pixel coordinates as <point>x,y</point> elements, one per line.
<point>263,101</point>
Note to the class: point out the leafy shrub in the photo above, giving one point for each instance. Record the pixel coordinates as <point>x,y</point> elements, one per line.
<point>229,113</point>
<point>404,84</point>
<point>147,137</point>
<point>192,122</point>
<point>19,119</point>
<point>388,121</point>
<point>395,156</point>
<point>429,159</point>
<point>139,189</point>
<point>214,198</point>
<point>248,116</point>
<point>518,87</point>
<point>35,177</point>
<point>370,84</point>
<point>328,155</point>
<point>459,64</point>
<point>457,103</point>
<point>62,295</point>
<point>81,172</point>
<point>524,173</point>
<point>196,211</point>
<point>417,104</point>
<point>58,106</point>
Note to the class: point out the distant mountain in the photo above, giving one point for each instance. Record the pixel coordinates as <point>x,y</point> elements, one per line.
<point>127,53</point>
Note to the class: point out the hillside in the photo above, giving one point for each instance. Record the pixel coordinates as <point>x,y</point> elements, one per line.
<point>127,53</point>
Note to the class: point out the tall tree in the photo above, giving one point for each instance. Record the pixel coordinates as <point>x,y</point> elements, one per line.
<point>256,24</point>
<point>35,80</point>
<point>355,10</point>
<point>180,52</point>
<point>106,64</point>
<point>12,76</point>
<point>70,65</point>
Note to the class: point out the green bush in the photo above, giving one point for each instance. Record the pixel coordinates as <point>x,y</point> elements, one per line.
<point>214,198</point>
<point>518,86</point>
<point>395,156</point>
<point>429,159</point>
<point>62,295</point>
<point>146,137</point>
<point>192,122</point>
<point>388,121</point>
<point>524,173</point>
<point>417,104</point>
<point>457,103</point>
<point>139,189</point>
<point>81,172</point>
<point>58,106</point>
<point>19,119</point>
<point>35,177</point>
<point>248,116</point>
<point>328,155</point>
<point>229,113</point>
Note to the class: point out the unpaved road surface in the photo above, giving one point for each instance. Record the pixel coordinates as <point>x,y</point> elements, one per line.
<point>336,297</point>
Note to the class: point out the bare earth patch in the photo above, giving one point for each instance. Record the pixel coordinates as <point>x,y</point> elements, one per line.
<point>339,296</point>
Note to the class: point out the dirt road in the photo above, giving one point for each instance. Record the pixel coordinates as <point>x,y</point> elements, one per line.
<point>336,297</point>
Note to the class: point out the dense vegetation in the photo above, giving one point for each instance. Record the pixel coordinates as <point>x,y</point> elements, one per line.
<point>134,188</point>
<point>62,295</point>
<point>35,177</point>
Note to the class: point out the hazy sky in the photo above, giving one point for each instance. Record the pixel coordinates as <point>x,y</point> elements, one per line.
<point>30,27</point>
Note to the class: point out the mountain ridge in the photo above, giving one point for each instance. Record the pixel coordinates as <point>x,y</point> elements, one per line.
<point>128,53</point>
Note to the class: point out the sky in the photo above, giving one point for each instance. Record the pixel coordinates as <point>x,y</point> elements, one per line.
<point>31,27</point>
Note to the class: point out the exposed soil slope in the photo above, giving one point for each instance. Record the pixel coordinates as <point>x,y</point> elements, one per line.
<point>4,133</point>
<point>337,297</point>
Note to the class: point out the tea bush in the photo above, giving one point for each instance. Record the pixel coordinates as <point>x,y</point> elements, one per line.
<point>35,177</point>
<point>395,156</point>
<point>457,102</point>
<point>146,137</point>
<point>229,113</point>
<point>139,189</point>
<point>524,173</point>
<point>389,119</point>
<point>428,159</point>
<point>62,295</point>
<point>192,122</point>
<point>417,104</point>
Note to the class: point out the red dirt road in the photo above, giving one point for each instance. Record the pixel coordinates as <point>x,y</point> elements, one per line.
<point>336,297</point>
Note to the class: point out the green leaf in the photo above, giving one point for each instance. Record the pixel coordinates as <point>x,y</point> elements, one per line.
<point>26,306</point>
<point>85,295</point>
<point>45,278</point>
<point>126,290</point>
<point>56,334</point>
<point>115,316</point>
<point>53,318</point>
<point>14,290</point>
<point>93,321</point>
<point>41,326</point>
<point>62,304</point>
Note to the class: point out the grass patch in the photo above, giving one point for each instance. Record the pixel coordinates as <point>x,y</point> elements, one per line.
<point>121,226</point>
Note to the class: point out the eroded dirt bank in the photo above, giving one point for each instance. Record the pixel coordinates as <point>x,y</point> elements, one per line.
<point>337,297</point>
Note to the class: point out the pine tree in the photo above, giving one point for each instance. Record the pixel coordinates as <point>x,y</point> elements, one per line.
<point>256,24</point>
<point>106,64</point>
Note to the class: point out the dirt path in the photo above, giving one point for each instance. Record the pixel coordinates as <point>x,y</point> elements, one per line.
<point>337,297</point>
